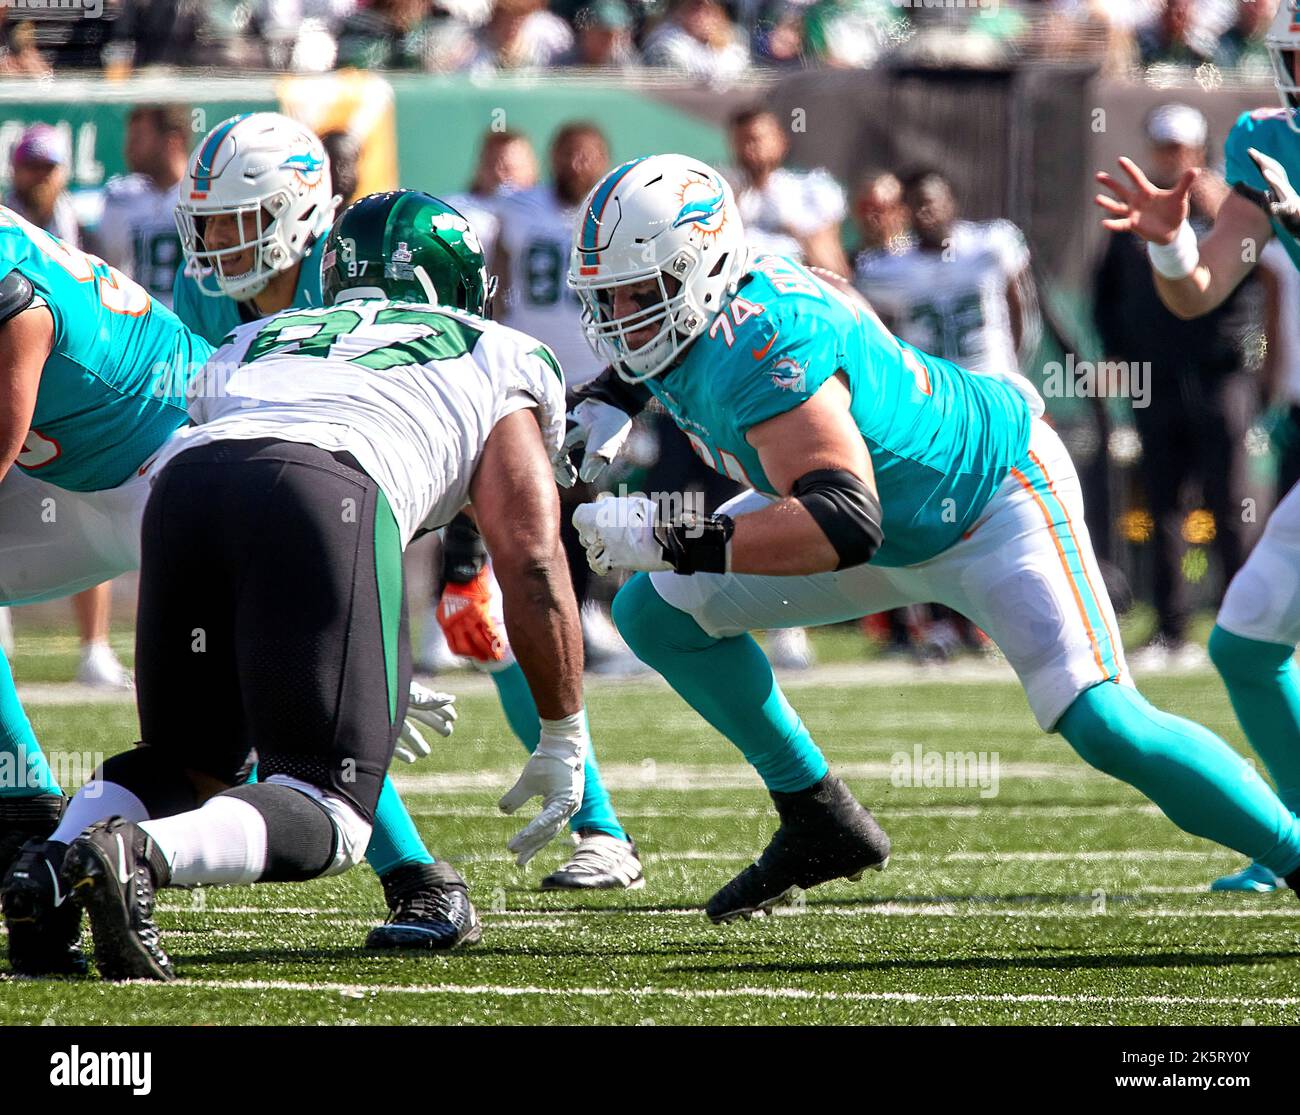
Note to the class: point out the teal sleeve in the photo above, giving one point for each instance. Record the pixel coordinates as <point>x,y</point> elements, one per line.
<point>182,300</point>
<point>778,365</point>
<point>1238,165</point>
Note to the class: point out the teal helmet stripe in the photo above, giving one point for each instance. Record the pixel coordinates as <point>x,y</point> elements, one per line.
<point>587,243</point>
<point>203,166</point>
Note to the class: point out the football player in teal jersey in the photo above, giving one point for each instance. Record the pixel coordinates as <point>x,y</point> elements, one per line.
<point>254,209</point>
<point>94,374</point>
<point>1254,639</point>
<point>879,476</point>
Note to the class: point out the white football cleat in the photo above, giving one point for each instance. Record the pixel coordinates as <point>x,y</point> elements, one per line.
<point>788,649</point>
<point>599,862</point>
<point>100,668</point>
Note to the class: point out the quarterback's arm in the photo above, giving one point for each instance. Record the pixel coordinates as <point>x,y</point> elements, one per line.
<point>25,341</point>
<point>1226,254</point>
<point>829,513</point>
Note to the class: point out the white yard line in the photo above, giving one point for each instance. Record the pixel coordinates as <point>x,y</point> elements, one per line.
<point>360,990</point>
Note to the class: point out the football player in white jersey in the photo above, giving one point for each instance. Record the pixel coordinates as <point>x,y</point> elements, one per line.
<point>787,212</point>
<point>533,251</point>
<point>962,290</point>
<point>137,232</point>
<point>1254,639</point>
<point>506,163</point>
<point>327,439</point>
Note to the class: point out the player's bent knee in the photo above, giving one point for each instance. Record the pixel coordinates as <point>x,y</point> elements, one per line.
<point>1097,726</point>
<point>651,626</point>
<point>1243,661</point>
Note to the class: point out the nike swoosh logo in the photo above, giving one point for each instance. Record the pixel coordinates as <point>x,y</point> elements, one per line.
<point>759,353</point>
<point>59,896</point>
<point>123,876</point>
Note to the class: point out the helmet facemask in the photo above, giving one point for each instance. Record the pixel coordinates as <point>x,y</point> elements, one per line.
<point>259,227</point>
<point>669,305</point>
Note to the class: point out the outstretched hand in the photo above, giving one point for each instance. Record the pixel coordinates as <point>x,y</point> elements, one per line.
<point>1140,207</point>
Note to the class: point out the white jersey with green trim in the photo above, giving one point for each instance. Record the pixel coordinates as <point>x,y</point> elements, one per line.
<point>412,391</point>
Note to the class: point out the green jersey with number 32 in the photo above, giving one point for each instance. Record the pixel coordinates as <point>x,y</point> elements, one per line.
<point>412,391</point>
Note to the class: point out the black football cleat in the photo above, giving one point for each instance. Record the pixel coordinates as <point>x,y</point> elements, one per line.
<point>599,862</point>
<point>113,870</point>
<point>428,908</point>
<point>825,834</point>
<point>24,819</point>
<point>44,927</point>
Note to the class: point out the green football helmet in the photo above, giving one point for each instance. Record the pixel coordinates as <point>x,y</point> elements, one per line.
<point>409,247</point>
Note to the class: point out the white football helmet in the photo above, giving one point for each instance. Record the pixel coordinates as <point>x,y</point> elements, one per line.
<point>1283,42</point>
<point>667,218</point>
<point>272,175</point>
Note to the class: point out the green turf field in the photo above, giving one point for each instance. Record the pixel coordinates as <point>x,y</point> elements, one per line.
<point>1061,898</point>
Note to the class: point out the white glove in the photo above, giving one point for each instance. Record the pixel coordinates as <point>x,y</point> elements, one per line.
<point>554,772</point>
<point>1283,202</point>
<point>424,706</point>
<point>618,533</point>
<point>601,430</point>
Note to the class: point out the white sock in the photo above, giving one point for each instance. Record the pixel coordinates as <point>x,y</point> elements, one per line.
<point>223,841</point>
<point>96,801</point>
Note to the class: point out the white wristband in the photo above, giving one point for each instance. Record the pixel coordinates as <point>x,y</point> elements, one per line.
<point>566,738</point>
<point>1176,260</point>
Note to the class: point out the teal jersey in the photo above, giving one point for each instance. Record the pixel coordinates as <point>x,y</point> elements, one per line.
<point>941,439</point>
<point>113,386</point>
<point>214,317</point>
<point>1266,130</point>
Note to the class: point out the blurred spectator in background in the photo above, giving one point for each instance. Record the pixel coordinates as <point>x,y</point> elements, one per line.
<point>344,151</point>
<point>1202,390</point>
<point>137,231</point>
<point>1242,44</point>
<point>20,56</point>
<point>38,191</point>
<point>963,290</point>
<point>506,162</point>
<point>520,34</point>
<point>603,36</point>
<point>699,40</point>
<point>1176,36</point>
<point>788,212</point>
<point>404,35</point>
<point>880,217</point>
<point>852,33</point>
<point>777,34</point>
<point>164,32</point>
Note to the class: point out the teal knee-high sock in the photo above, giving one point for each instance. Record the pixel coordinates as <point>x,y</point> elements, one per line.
<point>727,681</point>
<point>597,811</point>
<point>1264,686</point>
<point>1200,783</point>
<point>394,841</point>
<point>24,771</point>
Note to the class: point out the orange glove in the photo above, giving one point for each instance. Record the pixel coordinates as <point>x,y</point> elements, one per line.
<point>465,616</point>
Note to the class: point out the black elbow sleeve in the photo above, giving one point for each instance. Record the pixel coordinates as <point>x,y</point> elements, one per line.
<point>847,511</point>
<point>16,294</point>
